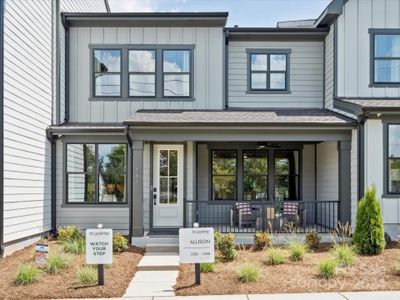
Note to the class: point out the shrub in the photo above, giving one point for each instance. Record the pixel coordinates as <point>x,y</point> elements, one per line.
<point>56,262</point>
<point>262,240</point>
<point>274,257</point>
<point>396,266</point>
<point>369,234</point>
<point>68,233</point>
<point>249,272</point>
<point>217,239</point>
<point>120,243</point>
<point>87,275</point>
<point>27,274</point>
<point>227,246</point>
<point>345,255</point>
<point>327,268</point>
<point>297,250</point>
<point>76,246</point>
<point>312,238</point>
<point>207,267</point>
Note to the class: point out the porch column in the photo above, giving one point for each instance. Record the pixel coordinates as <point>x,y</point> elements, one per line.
<point>344,148</point>
<point>137,182</point>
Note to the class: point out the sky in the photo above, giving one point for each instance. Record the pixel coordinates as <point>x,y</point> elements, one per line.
<point>245,13</point>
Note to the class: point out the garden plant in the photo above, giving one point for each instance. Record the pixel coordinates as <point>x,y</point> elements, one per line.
<point>249,272</point>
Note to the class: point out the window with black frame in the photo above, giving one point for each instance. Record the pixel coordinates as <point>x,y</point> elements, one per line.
<point>386,58</point>
<point>224,174</point>
<point>255,175</point>
<point>96,173</point>
<point>107,73</point>
<point>393,156</point>
<point>286,175</point>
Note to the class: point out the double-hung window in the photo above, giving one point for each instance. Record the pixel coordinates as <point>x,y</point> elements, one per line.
<point>268,70</point>
<point>95,173</point>
<point>393,158</point>
<point>142,73</point>
<point>385,57</point>
<point>107,73</point>
<point>176,73</point>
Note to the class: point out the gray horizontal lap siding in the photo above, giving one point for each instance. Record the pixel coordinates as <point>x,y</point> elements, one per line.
<point>305,68</point>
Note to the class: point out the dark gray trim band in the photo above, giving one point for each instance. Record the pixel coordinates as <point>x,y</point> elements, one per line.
<point>1,128</point>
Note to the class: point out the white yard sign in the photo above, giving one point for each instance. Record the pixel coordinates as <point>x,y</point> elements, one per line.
<point>99,246</point>
<point>196,245</point>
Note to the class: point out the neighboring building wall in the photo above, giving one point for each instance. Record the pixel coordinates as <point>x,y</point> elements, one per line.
<point>28,100</point>
<point>83,6</point>
<point>353,76</point>
<point>306,75</point>
<point>208,75</point>
<point>82,215</point>
<point>329,68</point>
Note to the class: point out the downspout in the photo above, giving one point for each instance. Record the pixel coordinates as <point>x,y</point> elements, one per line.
<point>226,70</point>
<point>52,140</point>
<point>66,67</point>
<point>130,182</point>
<point>58,63</point>
<point>1,128</point>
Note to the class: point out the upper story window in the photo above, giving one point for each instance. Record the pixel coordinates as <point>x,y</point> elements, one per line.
<point>142,73</point>
<point>176,73</point>
<point>107,73</point>
<point>155,72</point>
<point>268,70</point>
<point>385,60</point>
<point>393,159</point>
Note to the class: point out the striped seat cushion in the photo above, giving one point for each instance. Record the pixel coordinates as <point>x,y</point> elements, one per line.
<point>244,208</point>
<point>290,208</point>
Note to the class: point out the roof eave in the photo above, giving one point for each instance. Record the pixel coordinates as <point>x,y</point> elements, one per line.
<point>330,14</point>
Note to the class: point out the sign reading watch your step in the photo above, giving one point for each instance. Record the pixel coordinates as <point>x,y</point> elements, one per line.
<point>196,245</point>
<point>99,246</point>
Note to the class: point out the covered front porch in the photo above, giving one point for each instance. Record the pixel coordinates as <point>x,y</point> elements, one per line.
<point>241,177</point>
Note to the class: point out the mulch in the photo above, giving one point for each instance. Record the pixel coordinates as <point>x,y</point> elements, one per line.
<point>370,273</point>
<point>64,284</point>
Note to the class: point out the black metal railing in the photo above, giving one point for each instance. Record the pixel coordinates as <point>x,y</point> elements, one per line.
<point>273,216</point>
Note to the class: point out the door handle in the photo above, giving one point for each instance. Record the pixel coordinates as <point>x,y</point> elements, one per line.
<point>155,196</point>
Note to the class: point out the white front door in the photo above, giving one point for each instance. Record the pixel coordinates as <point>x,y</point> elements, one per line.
<point>168,186</point>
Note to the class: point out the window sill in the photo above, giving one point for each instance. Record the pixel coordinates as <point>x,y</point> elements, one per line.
<point>137,99</point>
<point>93,205</point>
<point>384,85</point>
<point>269,92</point>
<point>391,196</point>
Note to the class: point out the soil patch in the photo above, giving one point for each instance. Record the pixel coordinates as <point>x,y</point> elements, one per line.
<point>370,273</point>
<point>64,285</point>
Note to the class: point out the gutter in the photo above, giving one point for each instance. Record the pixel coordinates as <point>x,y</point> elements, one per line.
<point>1,128</point>
<point>66,67</point>
<point>130,178</point>
<point>52,140</point>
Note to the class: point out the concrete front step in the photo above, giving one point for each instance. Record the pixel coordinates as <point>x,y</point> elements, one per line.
<point>157,261</point>
<point>162,248</point>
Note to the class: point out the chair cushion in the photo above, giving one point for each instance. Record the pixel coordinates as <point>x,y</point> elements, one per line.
<point>290,208</point>
<point>244,208</point>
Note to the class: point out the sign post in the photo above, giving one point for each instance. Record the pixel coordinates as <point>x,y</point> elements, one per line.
<point>99,249</point>
<point>196,245</point>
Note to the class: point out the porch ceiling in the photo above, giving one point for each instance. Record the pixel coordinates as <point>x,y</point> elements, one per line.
<point>244,118</point>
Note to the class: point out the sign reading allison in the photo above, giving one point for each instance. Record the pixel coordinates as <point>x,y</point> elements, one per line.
<point>196,245</point>
<point>99,246</point>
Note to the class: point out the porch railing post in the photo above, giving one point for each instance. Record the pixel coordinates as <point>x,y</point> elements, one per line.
<point>263,216</point>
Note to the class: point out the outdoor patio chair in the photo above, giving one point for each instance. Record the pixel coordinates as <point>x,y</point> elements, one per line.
<point>243,214</point>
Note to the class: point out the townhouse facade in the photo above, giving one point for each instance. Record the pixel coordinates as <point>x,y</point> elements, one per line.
<point>158,121</point>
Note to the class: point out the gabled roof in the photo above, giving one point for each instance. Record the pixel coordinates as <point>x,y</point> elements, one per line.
<point>359,106</point>
<point>232,117</point>
<point>150,19</point>
<point>331,13</point>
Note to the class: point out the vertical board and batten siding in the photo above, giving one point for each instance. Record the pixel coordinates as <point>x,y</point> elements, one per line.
<point>328,182</point>
<point>305,68</point>
<point>27,113</point>
<point>374,170</point>
<point>72,6</point>
<point>83,217</point>
<point>353,51</point>
<point>208,70</point>
<point>329,68</point>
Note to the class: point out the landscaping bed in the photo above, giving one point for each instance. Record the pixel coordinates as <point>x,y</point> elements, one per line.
<point>369,273</point>
<point>65,284</point>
